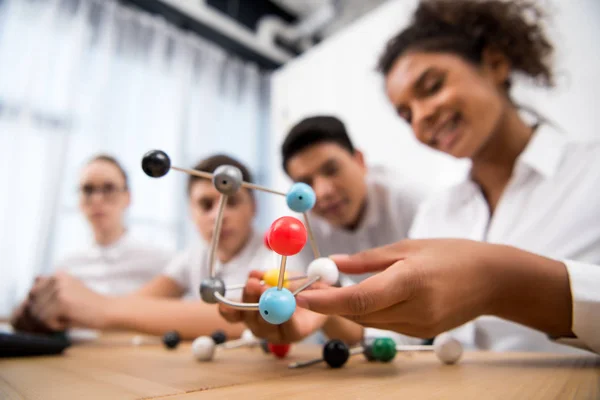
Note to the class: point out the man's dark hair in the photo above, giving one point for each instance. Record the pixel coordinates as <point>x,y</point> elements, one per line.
<point>211,163</point>
<point>314,130</point>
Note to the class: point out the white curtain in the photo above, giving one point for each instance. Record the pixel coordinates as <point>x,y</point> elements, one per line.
<point>79,77</point>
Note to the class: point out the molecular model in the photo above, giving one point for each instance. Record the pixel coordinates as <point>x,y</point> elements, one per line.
<point>170,340</point>
<point>286,237</point>
<point>336,353</point>
<point>204,347</point>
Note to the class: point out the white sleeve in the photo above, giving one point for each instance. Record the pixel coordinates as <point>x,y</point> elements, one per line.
<point>585,291</point>
<point>179,270</point>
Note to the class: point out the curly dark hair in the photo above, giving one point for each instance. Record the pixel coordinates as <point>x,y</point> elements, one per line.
<point>468,27</point>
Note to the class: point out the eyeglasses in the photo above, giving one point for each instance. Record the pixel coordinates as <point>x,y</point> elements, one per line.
<point>108,190</point>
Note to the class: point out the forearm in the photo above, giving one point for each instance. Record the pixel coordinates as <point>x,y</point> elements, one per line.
<point>531,290</point>
<point>336,327</point>
<point>161,286</point>
<point>157,316</point>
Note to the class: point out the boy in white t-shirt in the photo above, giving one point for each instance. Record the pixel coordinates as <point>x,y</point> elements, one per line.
<point>158,306</point>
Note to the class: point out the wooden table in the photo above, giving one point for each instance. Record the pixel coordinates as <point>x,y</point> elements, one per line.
<point>112,368</point>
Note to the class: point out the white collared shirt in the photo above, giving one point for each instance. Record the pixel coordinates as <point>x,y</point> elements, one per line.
<point>551,207</point>
<point>117,269</point>
<point>585,289</point>
<point>192,266</point>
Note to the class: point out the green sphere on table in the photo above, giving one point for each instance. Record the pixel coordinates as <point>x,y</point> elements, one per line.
<point>384,349</point>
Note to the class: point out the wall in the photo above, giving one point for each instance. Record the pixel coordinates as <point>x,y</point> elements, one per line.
<point>339,77</point>
<point>102,77</point>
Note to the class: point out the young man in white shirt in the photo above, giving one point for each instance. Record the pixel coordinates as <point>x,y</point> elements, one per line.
<point>529,187</point>
<point>157,307</point>
<point>357,207</point>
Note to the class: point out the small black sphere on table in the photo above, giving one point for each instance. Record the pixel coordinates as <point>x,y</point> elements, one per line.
<point>171,339</point>
<point>219,337</point>
<point>367,345</point>
<point>264,345</point>
<point>336,353</point>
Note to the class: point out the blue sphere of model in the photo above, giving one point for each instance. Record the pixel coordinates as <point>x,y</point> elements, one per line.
<point>300,198</point>
<point>277,306</point>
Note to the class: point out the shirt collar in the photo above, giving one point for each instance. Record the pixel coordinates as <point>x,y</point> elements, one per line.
<point>113,251</point>
<point>544,152</point>
<point>542,155</point>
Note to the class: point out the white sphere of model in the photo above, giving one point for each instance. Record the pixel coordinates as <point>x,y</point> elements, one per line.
<point>203,348</point>
<point>325,269</point>
<point>447,349</point>
<point>248,336</point>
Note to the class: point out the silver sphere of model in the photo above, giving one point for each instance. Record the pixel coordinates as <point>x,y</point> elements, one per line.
<point>208,288</point>
<point>227,179</point>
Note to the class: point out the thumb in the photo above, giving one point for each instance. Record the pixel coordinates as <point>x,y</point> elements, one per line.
<point>375,293</point>
<point>372,260</point>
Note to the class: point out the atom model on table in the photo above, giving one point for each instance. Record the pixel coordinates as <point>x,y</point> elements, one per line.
<point>286,237</point>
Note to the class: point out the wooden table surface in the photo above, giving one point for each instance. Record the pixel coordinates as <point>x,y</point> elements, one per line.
<point>112,368</point>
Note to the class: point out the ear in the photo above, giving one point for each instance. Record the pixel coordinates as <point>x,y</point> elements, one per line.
<point>360,158</point>
<point>496,65</point>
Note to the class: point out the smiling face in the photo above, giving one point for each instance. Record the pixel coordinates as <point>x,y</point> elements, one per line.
<point>337,177</point>
<point>452,105</point>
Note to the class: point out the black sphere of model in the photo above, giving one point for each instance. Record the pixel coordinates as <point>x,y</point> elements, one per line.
<point>264,345</point>
<point>219,337</point>
<point>367,346</point>
<point>335,353</point>
<point>156,163</point>
<point>171,339</point>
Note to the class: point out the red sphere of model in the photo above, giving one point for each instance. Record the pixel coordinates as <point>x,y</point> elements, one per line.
<point>280,350</point>
<point>287,236</point>
<point>266,240</point>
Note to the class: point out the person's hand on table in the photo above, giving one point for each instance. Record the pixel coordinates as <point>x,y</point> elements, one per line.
<point>22,318</point>
<point>64,302</point>
<point>426,287</point>
<point>302,324</point>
